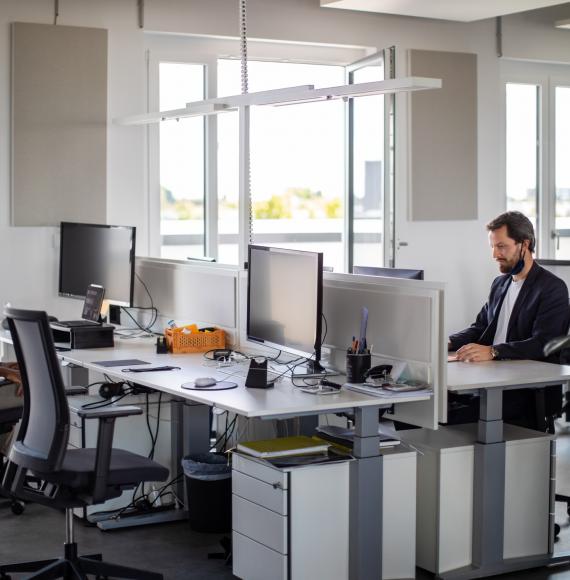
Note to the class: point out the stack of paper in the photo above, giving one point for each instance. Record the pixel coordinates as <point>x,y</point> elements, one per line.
<point>385,394</point>
<point>282,447</point>
<point>345,437</point>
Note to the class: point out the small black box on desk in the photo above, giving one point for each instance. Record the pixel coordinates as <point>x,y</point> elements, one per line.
<point>96,336</point>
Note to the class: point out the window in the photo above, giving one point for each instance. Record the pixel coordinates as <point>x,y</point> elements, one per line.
<point>562,171</point>
<point>522,150</point>
<point>299,156</point>
<point>182,163</point>
<point>537,147</point>
<point>296,159</point>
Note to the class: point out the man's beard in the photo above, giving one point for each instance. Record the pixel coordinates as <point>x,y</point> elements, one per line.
<point>505,267</point>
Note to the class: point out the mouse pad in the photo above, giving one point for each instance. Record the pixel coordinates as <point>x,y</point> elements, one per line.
<point>219,386</point>
<point>129,362</point>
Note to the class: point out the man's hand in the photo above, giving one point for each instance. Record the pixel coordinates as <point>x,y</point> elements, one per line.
<point>10,371</point>
<point>473,352</point>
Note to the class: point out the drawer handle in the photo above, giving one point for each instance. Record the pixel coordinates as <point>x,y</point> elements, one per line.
<point>277,485</point>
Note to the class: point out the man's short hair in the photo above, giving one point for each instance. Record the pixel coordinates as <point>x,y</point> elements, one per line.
<point>519,227</point>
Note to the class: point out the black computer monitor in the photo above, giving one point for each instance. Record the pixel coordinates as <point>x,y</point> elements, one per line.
<point>389,272</point>
<point>285,301</point>
<point>97,254</point>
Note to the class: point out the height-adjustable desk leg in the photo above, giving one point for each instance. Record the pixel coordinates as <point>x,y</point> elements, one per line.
<point>190,434</point>
<point>489,500</point>
<point>489,484</point>
<point>365,556</point>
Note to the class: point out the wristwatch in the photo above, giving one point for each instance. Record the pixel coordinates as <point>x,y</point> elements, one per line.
<point>494,353</point>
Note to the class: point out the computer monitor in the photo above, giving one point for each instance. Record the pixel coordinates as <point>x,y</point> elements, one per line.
<point>389,272</point>
<point>97,254</point>
<point>285,301</point>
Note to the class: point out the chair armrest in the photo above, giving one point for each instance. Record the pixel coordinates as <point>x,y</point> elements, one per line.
<point>71,391</point>
<point>110,412</point>
<point>106,416</point>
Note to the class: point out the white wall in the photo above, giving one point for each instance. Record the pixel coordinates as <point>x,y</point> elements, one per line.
<point>29,256</point>
<point>454,252</point>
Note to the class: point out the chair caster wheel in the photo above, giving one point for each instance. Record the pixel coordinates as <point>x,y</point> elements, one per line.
<point>556,530</point>
<point>17,508</point>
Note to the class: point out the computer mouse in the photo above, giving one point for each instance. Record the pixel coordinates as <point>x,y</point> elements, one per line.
<point>205,382</point>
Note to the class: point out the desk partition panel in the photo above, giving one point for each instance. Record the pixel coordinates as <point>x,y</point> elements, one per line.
<point>187,293</point>
<point>405,322</point>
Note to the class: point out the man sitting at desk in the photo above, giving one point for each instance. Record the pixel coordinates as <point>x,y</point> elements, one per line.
<point>527,307</point>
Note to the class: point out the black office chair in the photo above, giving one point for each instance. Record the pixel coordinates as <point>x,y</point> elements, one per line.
<point>558,407</point>
<point>69,478</point>
<point>9,417</point>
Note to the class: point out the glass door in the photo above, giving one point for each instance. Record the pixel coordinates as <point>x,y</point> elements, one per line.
<point>369,215</point>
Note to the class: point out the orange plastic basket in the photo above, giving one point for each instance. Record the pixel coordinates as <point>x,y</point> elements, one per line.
<point>180,342</point>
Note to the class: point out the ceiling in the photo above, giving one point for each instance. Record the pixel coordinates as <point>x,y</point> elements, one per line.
<point>459,10</point>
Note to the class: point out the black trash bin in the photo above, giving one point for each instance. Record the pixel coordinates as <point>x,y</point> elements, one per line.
<point>208,492</point>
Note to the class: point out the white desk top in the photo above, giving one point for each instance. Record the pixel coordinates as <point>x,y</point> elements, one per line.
<point>282,400</point>
<point>462,376</point>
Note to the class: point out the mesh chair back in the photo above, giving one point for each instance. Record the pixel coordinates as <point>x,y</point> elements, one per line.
<point>42,439</point>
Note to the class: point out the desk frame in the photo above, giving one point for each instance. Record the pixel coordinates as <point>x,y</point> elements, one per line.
<point>489,496</point>
<point>191,434</point>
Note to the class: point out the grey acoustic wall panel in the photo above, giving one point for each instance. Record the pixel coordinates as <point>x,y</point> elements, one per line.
<point>59,124</point>
<point>443,138</point>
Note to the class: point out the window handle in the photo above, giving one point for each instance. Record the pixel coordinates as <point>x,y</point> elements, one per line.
<point>556,236</point>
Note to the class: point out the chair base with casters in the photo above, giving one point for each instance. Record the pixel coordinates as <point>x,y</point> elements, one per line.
<point>8,418</point>
<point>72,566</point>
<point>81,463</point>
<point>17,506</point>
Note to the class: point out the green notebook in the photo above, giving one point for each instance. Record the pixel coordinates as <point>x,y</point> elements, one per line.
<point>282,447</point>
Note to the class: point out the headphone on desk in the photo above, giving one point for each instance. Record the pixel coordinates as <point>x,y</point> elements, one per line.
<point>109,390</point>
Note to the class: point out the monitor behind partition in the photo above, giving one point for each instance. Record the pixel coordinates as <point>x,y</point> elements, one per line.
<point>389,272</point>
<point>285,301</point>
<point>97,254</point>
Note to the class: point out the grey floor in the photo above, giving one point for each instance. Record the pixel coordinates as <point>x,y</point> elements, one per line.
<point>179,553</point>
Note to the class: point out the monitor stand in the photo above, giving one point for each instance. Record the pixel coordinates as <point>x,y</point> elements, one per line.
<point>312,369</point>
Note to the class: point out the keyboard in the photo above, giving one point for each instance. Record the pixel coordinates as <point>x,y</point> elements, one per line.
<point>75,323</point>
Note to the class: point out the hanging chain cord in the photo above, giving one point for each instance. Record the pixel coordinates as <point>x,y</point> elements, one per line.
<point>244,90</point>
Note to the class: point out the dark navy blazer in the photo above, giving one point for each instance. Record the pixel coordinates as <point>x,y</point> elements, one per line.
<point>541,312</point>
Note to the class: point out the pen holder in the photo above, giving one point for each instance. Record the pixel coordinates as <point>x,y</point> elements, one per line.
<point>356,367</point>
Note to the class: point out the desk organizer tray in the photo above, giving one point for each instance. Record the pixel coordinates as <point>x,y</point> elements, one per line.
<point>181,342</point>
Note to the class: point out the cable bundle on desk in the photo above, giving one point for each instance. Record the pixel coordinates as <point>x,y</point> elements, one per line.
<point>143,328</point>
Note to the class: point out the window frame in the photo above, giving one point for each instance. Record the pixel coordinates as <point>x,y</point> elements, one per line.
<point>154,59</point>
<point>206,52</point>
<point>547,77</point>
